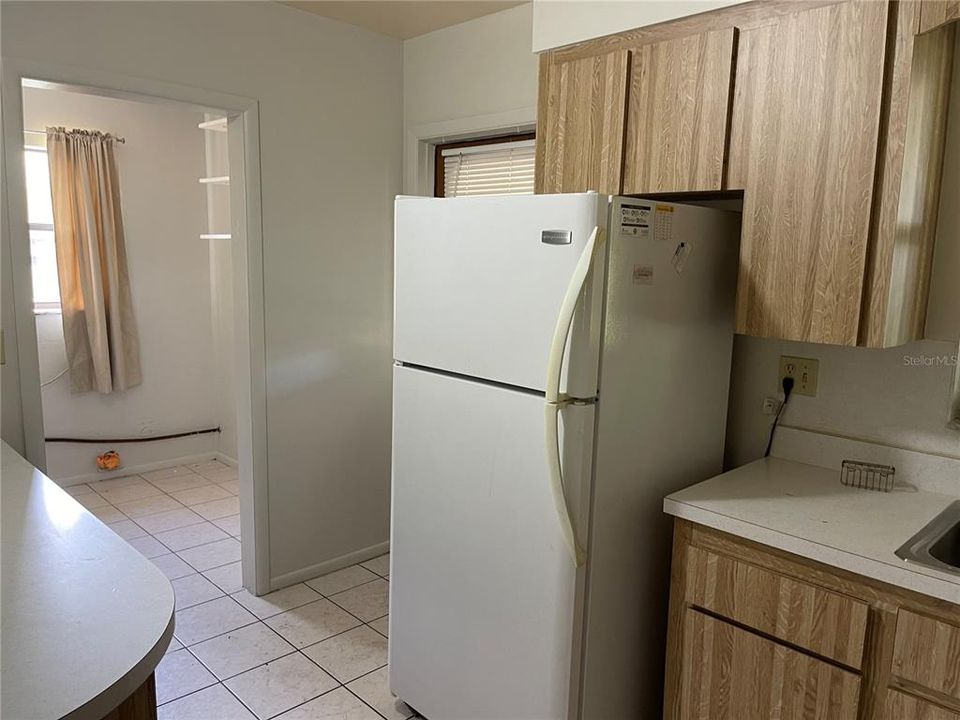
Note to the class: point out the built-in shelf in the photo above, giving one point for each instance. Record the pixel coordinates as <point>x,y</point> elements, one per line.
<point>218,125</point>
<point>216,180</point>
<point>215,236</point>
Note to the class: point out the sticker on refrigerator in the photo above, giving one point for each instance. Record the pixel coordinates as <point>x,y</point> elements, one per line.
<point>637,231</point>
<point>663,223</point>
<point>680,256</point>
<point>635,221</point>
<point>634,215</point>
<point>643,274</point>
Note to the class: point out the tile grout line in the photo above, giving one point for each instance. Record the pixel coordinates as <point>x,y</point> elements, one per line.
<point>296,650</point>
<point>210,542</point>
<point>264,620</point>
<point>258,620</point>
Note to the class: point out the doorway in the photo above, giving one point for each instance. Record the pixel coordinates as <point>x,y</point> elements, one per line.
<point>191,435</point>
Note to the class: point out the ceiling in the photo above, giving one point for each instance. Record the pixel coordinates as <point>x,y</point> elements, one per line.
<point>404,18</point>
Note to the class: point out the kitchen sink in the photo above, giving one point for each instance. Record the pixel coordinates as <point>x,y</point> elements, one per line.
<point>938,544</point>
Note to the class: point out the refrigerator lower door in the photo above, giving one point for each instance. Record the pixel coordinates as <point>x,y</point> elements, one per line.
<point>479,283</point>
<point>484,597</point>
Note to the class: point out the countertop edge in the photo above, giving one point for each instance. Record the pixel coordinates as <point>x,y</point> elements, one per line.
<point>904,577</point>
<point>125,686</point>
<point>72,525</point>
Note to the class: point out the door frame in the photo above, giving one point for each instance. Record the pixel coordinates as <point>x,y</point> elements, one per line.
<point>243,140</point>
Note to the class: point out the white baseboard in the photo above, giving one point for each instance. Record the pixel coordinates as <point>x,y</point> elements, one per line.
<point>144,467</point>
<point>328,566</point>
<point>226,459</point>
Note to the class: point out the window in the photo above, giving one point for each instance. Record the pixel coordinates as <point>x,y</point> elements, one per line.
<point>492,166</point>
<point>43,252</point>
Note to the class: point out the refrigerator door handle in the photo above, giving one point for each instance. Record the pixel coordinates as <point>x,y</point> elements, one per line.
<point>552,433</point>
<point>555,401</point>
<point>558,345</point>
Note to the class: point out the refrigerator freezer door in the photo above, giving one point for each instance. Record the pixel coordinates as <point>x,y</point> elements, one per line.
<point>480,282</point>
<point>483,600</point>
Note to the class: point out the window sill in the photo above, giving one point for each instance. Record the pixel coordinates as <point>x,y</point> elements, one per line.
<point>47,311</point>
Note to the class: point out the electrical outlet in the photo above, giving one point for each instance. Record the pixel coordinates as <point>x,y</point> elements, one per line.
<point>804,372</point>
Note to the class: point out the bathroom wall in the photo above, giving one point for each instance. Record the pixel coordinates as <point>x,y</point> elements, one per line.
<point>163,213</point>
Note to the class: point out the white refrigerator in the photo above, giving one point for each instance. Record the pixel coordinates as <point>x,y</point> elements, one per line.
<point>561,363</point>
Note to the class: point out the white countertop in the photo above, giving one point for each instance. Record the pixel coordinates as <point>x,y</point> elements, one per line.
<point>803,509</point>
<point>84,618</point>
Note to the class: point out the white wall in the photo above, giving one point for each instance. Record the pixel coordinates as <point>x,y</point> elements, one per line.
<point>331,116</point>
<point>564,22</point>
<point>899,396</point>
<point>943,313</point>
<point>162,206</point>
<point>470,78</point>
<point>11,422</point>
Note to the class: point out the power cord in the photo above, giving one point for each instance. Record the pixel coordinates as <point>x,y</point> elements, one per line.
<point>787,384</point>
<point>56,377</point>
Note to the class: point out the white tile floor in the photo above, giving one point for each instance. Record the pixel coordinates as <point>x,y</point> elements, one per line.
<point>314,650</point>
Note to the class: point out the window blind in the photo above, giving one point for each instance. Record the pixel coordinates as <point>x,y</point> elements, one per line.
<point>497,169</point>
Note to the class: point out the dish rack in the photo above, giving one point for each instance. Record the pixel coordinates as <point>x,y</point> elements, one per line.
<point>867,476</point>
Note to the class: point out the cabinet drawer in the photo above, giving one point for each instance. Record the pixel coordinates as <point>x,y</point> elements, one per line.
<point>899,706</point>
<point>732,674</point>
<point>818,620</point>
<point>927,652</point>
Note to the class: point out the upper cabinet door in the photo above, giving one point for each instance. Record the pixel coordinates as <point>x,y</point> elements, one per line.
<point>677,114</point>
<point>934,13</point>
<point>580,123</point>
<point>803,148</point>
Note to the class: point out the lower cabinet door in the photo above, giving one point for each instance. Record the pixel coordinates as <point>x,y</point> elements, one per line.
<point>730,673</point>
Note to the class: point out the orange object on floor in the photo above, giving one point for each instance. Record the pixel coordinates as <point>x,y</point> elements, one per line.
<point>110,460</point>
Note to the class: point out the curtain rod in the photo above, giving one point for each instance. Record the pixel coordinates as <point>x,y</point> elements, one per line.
<point>44,132</point>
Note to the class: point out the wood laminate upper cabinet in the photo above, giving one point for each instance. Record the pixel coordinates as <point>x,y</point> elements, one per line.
<point>908,182</point>
<point>934,13</point>
<point>899,706</point>
<point>580,123</point>
<point>677,114</point>
<point>732,674</point>
<point>803,147</point>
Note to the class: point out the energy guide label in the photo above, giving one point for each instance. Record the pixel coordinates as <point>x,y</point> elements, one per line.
<point>635,222</point>
<point>663,223</point>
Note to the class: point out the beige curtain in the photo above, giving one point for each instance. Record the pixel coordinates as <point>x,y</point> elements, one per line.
<point>98,325</point>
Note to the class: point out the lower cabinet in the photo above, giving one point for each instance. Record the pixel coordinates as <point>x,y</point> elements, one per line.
<point>732,674</point>
<point>756,633</point>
